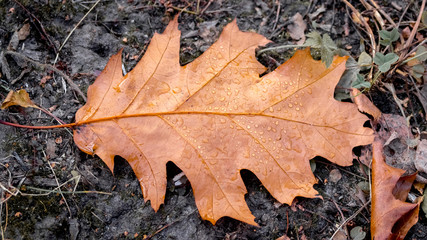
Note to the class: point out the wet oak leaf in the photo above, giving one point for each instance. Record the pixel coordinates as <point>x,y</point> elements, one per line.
<point>216,116</point>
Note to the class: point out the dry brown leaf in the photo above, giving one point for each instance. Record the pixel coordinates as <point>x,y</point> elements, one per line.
<point>391,217</point>
<point>365,105</point>
<point>20,98</point>
<point>215,116</point>
<point>297,28</point>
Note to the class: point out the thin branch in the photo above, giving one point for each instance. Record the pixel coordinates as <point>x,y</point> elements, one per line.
<point>52,68</point>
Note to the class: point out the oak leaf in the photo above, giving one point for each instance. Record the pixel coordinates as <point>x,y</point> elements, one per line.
<point>216,116</point>
<point>392,217</point>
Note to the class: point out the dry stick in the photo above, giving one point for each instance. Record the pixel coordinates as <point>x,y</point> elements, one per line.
<point>365,24</point>
<point>59,189</point>
<point>342,215</point>
<point>368,30</point>
<point>1,216</point>
<point>206,7</point>
<point>383,13</point>
<point>277,15</point>
<point>168,225</point>
<point>349,219</point>
<point>75,27</point>
<point>52,68</point>
<point>391,88</point>
<point>376,13</point>
<point>414,30</point>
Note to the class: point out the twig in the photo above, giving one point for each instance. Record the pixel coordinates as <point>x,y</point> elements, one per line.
<point>391,88</point>
<point>376,13</point>
<point>52,68</point>
<point>279,47</point>
<point>414,29</point>
<point>48,191</point>
<point>365,24</point>
<point>25,71</point>
<point>350,218</point>
<point>383,13</point>
<point>277,15</point>
<point>59,188</point>
<point>1,216</point>
<point>206,7</point>
<point>75,27</point>
<point>342,215</point>
<point>39,26</point>
<point>168,225</point>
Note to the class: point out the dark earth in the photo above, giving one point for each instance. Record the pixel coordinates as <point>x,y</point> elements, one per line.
<point>97,204</point>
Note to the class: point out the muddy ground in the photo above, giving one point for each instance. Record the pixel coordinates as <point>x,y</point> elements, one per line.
<point>107,206</point>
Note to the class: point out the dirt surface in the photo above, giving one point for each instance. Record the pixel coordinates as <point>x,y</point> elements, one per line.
<point>107,206</point>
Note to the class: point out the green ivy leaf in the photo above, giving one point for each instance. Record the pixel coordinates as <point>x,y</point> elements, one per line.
<point>384,62</point>
<point>387,38</point>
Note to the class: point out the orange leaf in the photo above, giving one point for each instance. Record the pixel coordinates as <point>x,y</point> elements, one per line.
<point>215,116</point>
<point>392,217</point>
<point>365,105</point>
<point>20,98</point>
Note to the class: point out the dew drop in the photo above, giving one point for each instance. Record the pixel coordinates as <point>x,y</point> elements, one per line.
<point>290,105</point>
<point>271,109</point>
<point>222,120</point>
<point>297,108</point>
<point>163,88</point>
<point>176,90</point>
<point>213,161</point>
<point>248,127</point>
<point>234,177</point>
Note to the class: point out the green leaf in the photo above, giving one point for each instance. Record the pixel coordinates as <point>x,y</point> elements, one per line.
<point>384,62</point>
<point>417,71</point>
<point>389,37</point>
<point>421,53</point>
<point>324,43</point>
<point>360,82</point>
<point>314,40</point>
<point>365,60</point>
<point>357,233</point>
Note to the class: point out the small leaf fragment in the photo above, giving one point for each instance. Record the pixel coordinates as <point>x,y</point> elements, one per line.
<point>365,105</point>
<point>20,98</point>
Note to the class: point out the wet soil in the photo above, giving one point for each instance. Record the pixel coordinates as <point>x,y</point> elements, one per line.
<point>111,206</point>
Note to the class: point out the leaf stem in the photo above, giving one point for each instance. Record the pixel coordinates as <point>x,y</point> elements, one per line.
<point>69,125</point>
<point>279,47</point>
